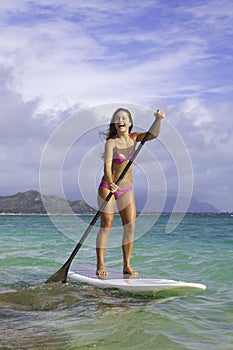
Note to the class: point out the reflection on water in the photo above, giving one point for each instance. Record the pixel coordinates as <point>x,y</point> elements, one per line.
<point>48,316</point>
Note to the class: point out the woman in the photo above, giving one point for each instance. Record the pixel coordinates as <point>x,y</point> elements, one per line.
<point>119,149</point>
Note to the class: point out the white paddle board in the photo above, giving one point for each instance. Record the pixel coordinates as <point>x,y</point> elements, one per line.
<point>130,283</point>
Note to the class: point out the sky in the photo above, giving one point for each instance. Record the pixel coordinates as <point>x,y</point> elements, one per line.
<point>60,58</point>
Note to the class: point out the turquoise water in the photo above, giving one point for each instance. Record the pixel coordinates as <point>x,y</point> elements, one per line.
<point>71,316</point>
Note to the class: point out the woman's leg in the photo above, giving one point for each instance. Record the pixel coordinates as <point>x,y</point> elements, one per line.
<point>106,221</point>
<point>127,210</point>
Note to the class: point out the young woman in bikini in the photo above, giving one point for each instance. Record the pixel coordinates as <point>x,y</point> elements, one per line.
<point>119,149</point>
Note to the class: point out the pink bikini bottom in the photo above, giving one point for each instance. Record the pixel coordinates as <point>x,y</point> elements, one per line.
<point>120,191</point>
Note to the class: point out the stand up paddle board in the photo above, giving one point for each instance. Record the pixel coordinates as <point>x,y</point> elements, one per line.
<point>130,283</point>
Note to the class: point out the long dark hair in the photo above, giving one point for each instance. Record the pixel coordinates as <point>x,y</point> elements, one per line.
<point>112,131</point>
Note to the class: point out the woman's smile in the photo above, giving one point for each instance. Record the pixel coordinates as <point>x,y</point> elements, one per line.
<point>121,125</point>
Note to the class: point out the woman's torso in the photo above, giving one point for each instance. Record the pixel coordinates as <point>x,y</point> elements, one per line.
<point>122,154</point>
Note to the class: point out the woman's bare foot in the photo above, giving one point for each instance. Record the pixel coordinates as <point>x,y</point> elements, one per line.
<point>129,271</point>
<point>101,271</point>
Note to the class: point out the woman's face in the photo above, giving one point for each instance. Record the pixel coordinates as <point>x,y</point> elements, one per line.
<point>122,121</point>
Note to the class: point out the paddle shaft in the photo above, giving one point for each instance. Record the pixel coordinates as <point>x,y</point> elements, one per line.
<point>61,275</point>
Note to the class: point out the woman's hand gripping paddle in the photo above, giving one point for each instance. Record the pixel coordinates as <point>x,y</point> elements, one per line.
<point>61,275</point>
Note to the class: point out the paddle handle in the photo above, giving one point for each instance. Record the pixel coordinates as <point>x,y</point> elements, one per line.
<point>145,138</point>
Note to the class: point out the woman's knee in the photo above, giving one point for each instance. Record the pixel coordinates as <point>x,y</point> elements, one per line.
<point>128,236</point>
<point>129,227</point>
<point>106,221</point>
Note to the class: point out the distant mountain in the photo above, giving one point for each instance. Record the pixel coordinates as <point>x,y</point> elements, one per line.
<point>30,202</point>
<point>195,206</point>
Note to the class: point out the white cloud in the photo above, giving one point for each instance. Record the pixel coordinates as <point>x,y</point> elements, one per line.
<point>73,52</point>
<point>23,133</point>
<point>207,131</point>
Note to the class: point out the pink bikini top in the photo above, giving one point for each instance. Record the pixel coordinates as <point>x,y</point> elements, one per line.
<point>118,159</point>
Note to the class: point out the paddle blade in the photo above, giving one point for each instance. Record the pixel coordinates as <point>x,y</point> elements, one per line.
<point>60,276</point>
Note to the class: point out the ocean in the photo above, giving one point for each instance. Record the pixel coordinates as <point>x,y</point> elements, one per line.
<point>34,315</point>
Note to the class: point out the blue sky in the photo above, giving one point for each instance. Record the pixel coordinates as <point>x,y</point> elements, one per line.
<point>59,56</point>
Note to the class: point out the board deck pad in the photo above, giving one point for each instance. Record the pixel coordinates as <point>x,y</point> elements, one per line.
<point>131,283</point>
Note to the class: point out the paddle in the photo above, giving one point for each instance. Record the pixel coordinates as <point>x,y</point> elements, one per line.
<point>61,274</point>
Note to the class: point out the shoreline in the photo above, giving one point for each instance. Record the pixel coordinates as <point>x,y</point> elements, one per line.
<point>141,214</point>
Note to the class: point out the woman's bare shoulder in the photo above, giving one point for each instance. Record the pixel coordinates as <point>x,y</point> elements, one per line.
<point>134,135</point>
<point>110,142</point>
